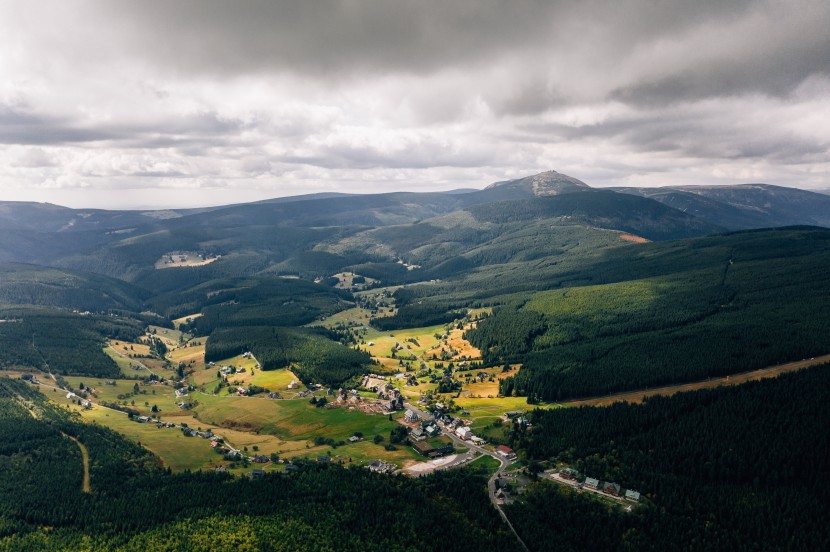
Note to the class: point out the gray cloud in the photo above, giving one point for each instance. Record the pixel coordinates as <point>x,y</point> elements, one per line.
<point>272,96</point>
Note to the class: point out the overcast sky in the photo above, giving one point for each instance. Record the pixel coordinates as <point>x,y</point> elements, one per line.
<point>165,103</point>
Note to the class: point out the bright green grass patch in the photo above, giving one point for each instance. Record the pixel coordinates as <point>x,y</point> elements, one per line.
<point>289,419</point>
<point>126,365</point>
<point>276,380</point>
<point>175,450</point>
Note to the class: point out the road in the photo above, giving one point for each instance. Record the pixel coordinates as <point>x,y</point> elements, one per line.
<point>491,483</point>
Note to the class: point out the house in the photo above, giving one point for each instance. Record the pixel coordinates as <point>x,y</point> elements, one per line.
<point>143,419</point>
<point>432,430</point>
<point>423,448</point>
<point>417,434</point>
<point>291,468</point>
<point>221,469</point>
<point>378,466</point>
<point>323,459</point>
<point>609,487</point>
<point>181,392</point>
<point>410,416</point>
<point>257,473</point>
<point>273,395</point>
<point>506,452</point>
<point>632,495</point>
<point>214,444</point>
<point>259,459</point>
<point>354,439</point>
<point>513,413</point>
<point>241,391</point>
<point>86,403</point>
<point>569,473</point>
<point>293,384</point>
<point>464,432</point>
<point>591,483</point>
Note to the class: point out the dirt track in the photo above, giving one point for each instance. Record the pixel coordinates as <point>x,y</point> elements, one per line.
<point>736,379</point>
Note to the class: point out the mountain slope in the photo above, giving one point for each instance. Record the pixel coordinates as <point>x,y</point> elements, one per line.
<point>744,206</point>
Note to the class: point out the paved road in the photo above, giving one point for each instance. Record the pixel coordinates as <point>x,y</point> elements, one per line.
<point>491,483</point>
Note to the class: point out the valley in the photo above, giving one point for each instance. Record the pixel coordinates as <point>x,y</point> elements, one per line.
<point>518,343</point>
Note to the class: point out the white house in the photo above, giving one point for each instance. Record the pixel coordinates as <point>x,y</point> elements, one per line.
<point>464,432</point>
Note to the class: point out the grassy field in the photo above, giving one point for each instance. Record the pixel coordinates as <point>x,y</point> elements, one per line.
<point>486,388</point>
<point>193,351</point>
<point>176,451</point>
<point>356,316</point>
<point>171,338</point>
<point>178,322</point>
<point>484,411</point>
<point>484,463</point>
<point>125,365</point>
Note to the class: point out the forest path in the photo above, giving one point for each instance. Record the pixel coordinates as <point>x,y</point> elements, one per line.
<point>636,397</point>
<point>85,486</point>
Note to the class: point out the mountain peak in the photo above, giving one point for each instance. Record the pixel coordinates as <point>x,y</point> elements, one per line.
<point>548,183</point>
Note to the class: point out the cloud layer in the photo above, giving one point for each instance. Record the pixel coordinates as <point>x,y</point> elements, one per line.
<point>160,103</point>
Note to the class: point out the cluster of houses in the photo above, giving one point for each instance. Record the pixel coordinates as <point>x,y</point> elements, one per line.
<point>423,430</point>
<point>391,398</point>
<point>607,487</point>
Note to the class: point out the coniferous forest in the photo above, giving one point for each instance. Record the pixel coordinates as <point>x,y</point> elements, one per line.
<point>736,468</point>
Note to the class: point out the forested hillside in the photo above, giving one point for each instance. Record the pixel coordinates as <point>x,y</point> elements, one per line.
<point>60,341</point>
<point>725,305</point>
<point>737,468</point>
<point>22,284</point>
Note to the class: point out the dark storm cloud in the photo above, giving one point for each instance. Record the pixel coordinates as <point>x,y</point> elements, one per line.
<point>327,38</point>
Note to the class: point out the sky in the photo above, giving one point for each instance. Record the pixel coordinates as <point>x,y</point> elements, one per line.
<point>172,103</point>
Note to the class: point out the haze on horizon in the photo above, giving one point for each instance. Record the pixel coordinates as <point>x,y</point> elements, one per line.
<point>193,103</point>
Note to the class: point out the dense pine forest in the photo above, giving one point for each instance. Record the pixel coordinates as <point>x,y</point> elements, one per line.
<point>736,468</point>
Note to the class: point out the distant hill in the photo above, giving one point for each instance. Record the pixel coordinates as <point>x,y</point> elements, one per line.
<point>744,206</point>
<point>443,233</point>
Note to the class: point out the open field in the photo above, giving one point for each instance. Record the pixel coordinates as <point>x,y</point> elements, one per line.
<point>288,419</point>
<point>347,281</point>
<point>353,316</point>
<point>171,338</point>
<point>486,388</point>
<point>126,365</point>
<point>484,411</point>
<point>193,351</point>
<point>179,259</point>
<point>636,397</point>
<point>176,451</point>
<point>178,322</point>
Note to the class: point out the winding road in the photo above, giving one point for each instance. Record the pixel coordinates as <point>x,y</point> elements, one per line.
<point>491,483</point>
